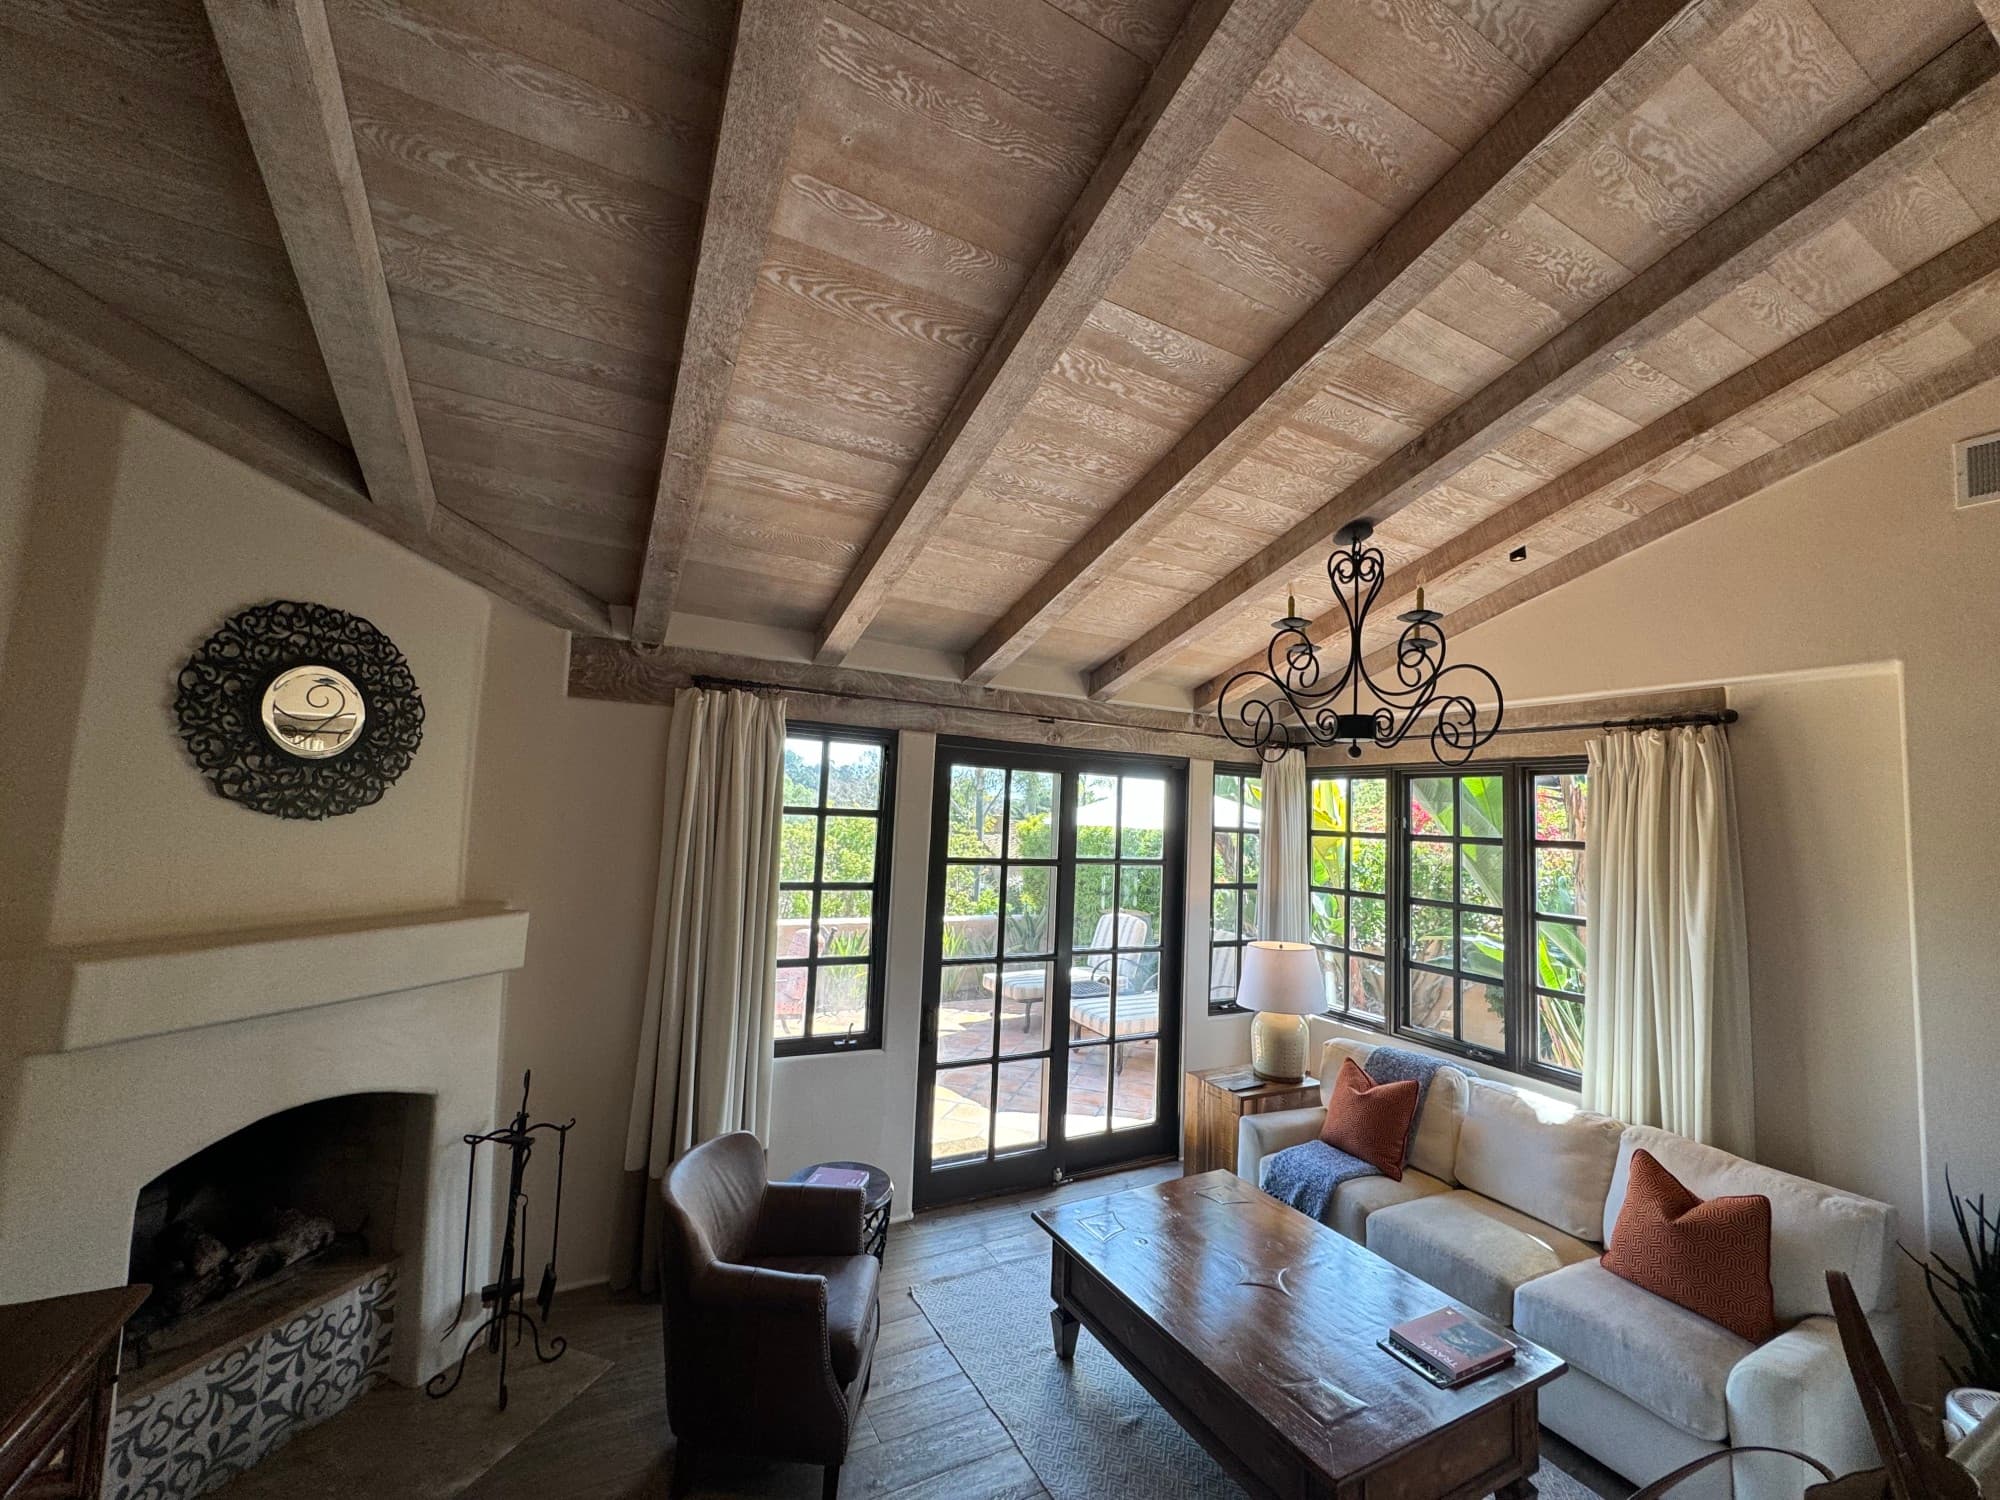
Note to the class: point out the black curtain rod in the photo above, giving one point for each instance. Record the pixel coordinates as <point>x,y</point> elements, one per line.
<point>1659,721</point>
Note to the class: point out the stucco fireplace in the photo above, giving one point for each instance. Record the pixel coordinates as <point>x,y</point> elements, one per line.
<point>191,1077</point>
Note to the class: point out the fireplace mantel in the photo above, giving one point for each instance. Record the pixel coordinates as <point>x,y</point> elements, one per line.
<point>116,992</point>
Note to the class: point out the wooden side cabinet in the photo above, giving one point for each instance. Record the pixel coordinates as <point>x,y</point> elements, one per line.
<point>1211,1114</point>
<point>56,1383</point>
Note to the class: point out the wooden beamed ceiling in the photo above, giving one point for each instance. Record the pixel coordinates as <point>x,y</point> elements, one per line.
<point>1047,334</point>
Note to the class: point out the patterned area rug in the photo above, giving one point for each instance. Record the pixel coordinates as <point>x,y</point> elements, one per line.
<point>1087,1428</point>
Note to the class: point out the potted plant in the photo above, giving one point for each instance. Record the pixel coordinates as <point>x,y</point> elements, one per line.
<point>1968,1298</point>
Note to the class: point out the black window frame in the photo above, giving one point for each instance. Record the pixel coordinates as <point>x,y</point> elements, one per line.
<point>1520,1053</point>
<point>869,1039</point>
<point>1245,772</point>
<point>1535,917</point>
<point>1347,893</point>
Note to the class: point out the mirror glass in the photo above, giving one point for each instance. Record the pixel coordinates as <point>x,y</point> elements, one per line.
<point>313,712</point>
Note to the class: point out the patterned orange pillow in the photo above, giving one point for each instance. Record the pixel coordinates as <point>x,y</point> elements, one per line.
<point>1370,1120</point>
<point>1709,1255</point>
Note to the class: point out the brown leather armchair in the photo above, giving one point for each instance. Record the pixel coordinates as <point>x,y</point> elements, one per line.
<point>769,1307</point>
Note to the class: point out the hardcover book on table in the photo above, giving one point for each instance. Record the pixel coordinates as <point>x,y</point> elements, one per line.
<point>1449,1347</point>
<point>837,1177</point>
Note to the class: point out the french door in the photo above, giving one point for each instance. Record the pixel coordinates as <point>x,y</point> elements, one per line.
<point>1052,976</point>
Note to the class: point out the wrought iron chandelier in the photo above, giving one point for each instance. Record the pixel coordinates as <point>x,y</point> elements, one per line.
<point>1289,703</point>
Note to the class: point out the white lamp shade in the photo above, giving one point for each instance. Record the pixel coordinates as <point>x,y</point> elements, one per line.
<point>1282,979</point>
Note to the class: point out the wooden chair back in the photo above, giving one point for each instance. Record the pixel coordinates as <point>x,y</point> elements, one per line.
<point>1914,1469</point>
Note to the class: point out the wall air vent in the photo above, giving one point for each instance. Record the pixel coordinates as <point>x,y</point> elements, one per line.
<point>1977,461</point>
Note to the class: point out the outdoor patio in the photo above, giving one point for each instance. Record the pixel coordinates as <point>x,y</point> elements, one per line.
<point>964,1113</point>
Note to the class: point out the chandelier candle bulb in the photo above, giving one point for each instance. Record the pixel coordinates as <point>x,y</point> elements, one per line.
<point>1294,700</point>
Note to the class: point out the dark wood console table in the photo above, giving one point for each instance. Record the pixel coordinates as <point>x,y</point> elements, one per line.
<point>57,1377</point>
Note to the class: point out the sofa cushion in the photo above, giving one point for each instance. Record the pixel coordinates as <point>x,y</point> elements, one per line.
<point>851,1286</point>
<point>1472,1248</point>
<point>1434,1148</point>
<point>1550,1160</point>
<point>1709,1255</point>
<point>1370,1121</point>
<point>1814,1229</point>
<point>1673,1362</point>
<point>1359,1197</point>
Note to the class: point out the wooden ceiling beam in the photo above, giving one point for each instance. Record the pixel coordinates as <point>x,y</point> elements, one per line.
<point>279,57</point>
<point>64,323</point>
<point>1822,443</point>
<point>1202,77</point>
<point>1813,191</point>
<point>767,78</point>
<point>1945,276</point>
<point>1633,48</point>
<point>618,673</point>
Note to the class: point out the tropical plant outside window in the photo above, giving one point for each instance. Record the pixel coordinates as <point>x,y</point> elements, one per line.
<point>1349,888</point>
<point>1482,949</point>
<point>833,885</point>
<point>1457,928</point>
<point>1238,855</point>
<point>1560,896</point>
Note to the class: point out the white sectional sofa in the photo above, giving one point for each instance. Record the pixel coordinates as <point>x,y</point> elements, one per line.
<point>1505,1204</point>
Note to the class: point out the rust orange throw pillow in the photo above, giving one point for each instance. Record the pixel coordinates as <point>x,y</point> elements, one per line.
<point>1709,1255</point>
<point>1370,1120</point>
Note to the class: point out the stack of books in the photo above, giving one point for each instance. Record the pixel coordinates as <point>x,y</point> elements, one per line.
<point>1447,1348</point>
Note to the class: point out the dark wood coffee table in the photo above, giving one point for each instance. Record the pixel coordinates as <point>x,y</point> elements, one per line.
<point>1256,1328</point>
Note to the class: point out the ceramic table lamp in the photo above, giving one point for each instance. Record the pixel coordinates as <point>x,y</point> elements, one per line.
<point>1282,983</point>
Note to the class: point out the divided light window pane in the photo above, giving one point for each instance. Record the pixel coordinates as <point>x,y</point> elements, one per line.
<point>833,883</point>
<point>1561,890</point>
<point>1456,928</point>
<point>1237,859</point>
<point>1463,925</point>
<point>1348,908</point>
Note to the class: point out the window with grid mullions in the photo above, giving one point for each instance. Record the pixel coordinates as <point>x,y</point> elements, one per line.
<point>1349,892</point>
<point>1238,837</point>
<point>1456,910</point>
<point>833,884</point>
<point>1560,890</point>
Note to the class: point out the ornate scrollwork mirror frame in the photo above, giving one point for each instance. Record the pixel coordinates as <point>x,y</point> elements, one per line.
<point>256,753</point>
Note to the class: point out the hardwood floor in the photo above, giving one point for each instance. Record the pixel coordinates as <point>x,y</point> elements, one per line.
<point>924,1431</point>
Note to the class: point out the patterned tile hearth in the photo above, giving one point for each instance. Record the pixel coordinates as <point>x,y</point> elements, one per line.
<point>199,1426</point>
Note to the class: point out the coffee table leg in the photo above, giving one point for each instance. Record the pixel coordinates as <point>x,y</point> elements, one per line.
<point>1065,1328</point>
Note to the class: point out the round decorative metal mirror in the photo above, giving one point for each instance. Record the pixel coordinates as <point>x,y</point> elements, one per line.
<point>300,710</point>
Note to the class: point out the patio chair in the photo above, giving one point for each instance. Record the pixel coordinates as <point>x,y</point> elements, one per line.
<point>1028,987</point>
<point>1138,1002</point>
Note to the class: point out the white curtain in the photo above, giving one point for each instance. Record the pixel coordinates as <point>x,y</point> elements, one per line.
<point>1667,1016</point>
<point>706,1029</point>
<point>1281,882</point>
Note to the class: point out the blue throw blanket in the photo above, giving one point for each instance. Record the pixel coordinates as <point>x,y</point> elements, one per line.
<point>1307,1176</point>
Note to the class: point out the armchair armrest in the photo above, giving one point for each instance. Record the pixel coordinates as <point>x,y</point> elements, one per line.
<point>1257,1136</point>
<point>797,1218</point>
<point>755,1357</point>
<point>1796,1392</point>
<point>722,1287</point>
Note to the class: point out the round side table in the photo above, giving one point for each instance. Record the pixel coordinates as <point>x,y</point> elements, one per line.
<point>877,1194</point>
